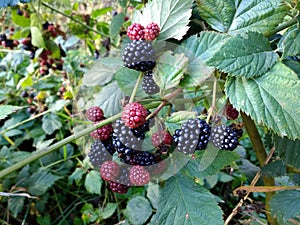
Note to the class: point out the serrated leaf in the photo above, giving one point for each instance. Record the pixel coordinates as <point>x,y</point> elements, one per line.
<point>274,169</point>
<point>172,16</point>
<point>290,45</point>
<point>109,210</point>
<point>93,182</point>
<point>138,210</point>
<point>210,162</point>
<point>127,79</point>
<point>176,119</point>
<point>51,123</point>
<point>116,25</point>
<point>37,38</point>
<point>102,72</point>
<point>288,151</point>
<point>40,182</point>
<point>109,99</point>
<point>271,99</point>
<point>6,110</point>
<point>285,204</point>
<point>15,205</point>
<point>184,202</point>
<point>169,70</point>
<point>240,16</point>
<point>247,55</point>
<point>153,192</point>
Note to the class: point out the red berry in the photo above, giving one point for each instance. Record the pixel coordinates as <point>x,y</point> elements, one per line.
<point>231,113</point>
<point>94,114</point>
<point>117,187</point>
<point>102,133</point>
<point>135,31</point>
<point>134,115</point>
<point>109,170</point>
<point>161,137</point>
<point>139,176</point>
<point>151,31</point>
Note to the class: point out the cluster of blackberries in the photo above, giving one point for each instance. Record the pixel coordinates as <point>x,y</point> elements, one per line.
<point>125,137</point>
<point>138,32</point>
<point>23,11</point>
<point>196,133</point>
<point>35,101</point>
<point>47,62</point>
<point>8,43</point>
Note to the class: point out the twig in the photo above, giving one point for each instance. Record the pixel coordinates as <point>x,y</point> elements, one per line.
<point>5,194</point>
<point>136,87</point>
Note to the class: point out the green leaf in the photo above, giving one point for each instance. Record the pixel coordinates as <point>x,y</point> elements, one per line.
<point>21,21</point>
<point>169,70</point>
<point>271,99</point>
<point>210,162</point>
<point>184,202</point>
<point>25,82</point>
<point>41,181</point>
<point>285,204</point>
<point>176,119</point>
<point>102,72</point>
<point>108,210</point>
<point>295,66</point>
<point>290,45</point>
<point>274,169</point>
<point>51,45</point>
<point>194,48</point>
<point>288,151</point>
<point>116,25</point>
<point>247,55</point>
<point>76,176</point>
<point>236,17</point>
<point>109,99</point>
<point>5,110</point>
<point>99,12</point>
<point>127,79</point>
<point>93,182</point>
<point>15,205</point>
<point>37,38</point>
<point>51,123</point>
<point>153,192</point>
<point>138,210</point>
<point>123,3</point>
<point>172,16</point>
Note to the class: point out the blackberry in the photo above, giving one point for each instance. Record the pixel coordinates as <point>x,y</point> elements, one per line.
<point>94,114</point>
<point>139,132</point>
<point>151,31</point>
<point>125,154</point>
<point>98,154</point>
<point>161,137</point>
<point>162,149</point>
<point>176,136</point>
<point>3,37</point>
<point>139,176</point>
<point>123,176</point>
<point>149,86</point>
<point>195,135</point>
<point>134,115</point>
<point>118,187</point>
<point>102,133</point>
<point>231,113</point>
<point>108,144</point>
<point>224,137</point>
<point>139,55</point>
<point>135,31</point>
<point>109,170</point>
<point>144,159</point>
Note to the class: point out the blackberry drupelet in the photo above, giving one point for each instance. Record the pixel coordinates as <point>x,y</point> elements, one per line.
<point>176,136</point>
<point>224,137</point>
<point>98,154</point>
<point>118,188</point>
<point>149,86</point>
<point>139,55</point>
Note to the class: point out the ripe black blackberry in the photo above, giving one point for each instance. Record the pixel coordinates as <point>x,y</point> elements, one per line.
<point>149,86</point>
<point>238,129</point>
<point>195,134</point>
<point>144,159</point>
<point>139,55</point>
<point>224,137</point>
<point>125,154</point>
<point>108,144</point>
<point>98,154</point>
<point>109,170</point>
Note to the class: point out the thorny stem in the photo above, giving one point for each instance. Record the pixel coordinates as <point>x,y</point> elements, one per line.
<point>73,19</point>
<point>136,88</point>
<point>212,108</point>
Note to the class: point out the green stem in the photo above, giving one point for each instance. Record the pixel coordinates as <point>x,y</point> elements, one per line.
<point>136,87</point>
<point>261,156</point>
<point>213,105</point>
<point>73,19</point>
<point>282,27</point>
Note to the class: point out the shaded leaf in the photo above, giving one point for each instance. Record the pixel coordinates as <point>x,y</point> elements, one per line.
<point>172,16</point>
<point>93,182</point>
<point>184,202</point>
<point>269,99</point>
<point>153,192</point>
<point>248,55</point>
<point>102,72</point>
<point>51,123</point>
<point>37,37</point>
<point>274,169</point>
<point>76,176</point>
<point>290,44</point>
<point>15,205</point>
<point>285,204</point>
<point>138,210</point>
<point>51,45</point>
<point>109,210</point>
<point>116,25</point>
<point>109,99</point>
<point>5,110</point>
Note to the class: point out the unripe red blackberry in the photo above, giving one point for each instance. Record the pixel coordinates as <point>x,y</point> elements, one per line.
<point>103,133</point>
<point>118,188</point>
<point>231,113</point>
<point>135,31</point>
<point>161,137</point>
<point>134,115</point>
<point>94,114</point>
<point>109,170</point>
<point>151,31</point>
<point>139,176</point>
